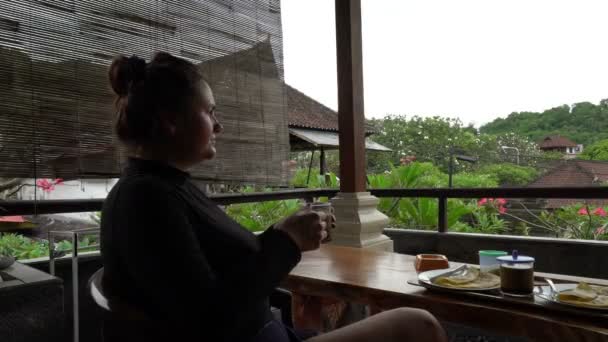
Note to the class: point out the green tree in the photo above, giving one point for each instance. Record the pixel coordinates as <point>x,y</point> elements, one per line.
<point>428,139</point>
<point>509,174</point>
<point>584,123</point>
<point>597,151</point>
<point>431,139</point>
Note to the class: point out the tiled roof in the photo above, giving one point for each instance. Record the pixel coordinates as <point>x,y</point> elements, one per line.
<point>305,112</point>
<point>556,141</point>
<point>598,169</point>
<point>574,173</point>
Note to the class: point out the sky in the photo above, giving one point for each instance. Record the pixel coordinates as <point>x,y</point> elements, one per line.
<point>470,59</point>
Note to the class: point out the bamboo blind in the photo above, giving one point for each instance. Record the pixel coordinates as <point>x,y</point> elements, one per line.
<point>56,108</point>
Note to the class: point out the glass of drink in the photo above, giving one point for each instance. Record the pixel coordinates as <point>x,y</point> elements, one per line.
<point>328,210</point>
<point>488,262</point>
<point>516,274</point>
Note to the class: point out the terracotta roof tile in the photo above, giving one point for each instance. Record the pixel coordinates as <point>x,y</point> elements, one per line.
<point>555,141</point>
<point>574,173</point>
<point>305,112</point>
<point>598,169</point>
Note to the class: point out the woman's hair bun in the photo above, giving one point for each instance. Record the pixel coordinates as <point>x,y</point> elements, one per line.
<point>126,71</point>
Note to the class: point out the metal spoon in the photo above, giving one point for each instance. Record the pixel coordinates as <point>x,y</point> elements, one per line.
<point>457,271</point>
<point>551,285</point>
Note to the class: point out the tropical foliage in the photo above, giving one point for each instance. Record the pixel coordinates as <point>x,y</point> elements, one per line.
<point>312,179</point>
<point>420,213</point>
<point>434,139</point>
<point>22,247</point>
<point>597,151</point>
<point>579,221</point>
<point>258,216</point>
<point>507,174</point>
<point>584,123</point>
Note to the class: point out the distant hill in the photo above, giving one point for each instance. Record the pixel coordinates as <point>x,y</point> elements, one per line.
<point>584,123</point>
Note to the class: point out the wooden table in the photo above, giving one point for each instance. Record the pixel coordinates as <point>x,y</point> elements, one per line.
<point>379,279</point>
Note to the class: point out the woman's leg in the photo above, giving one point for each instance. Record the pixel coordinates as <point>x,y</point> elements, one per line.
<point>398,325</point>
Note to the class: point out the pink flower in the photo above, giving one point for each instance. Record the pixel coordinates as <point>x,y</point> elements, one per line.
<point>599,212</point>
<point>482,201</point>
<point>600,231</point>
<point>45,185</point>
<point>58,181</point>
<point>501,201</point>
<point>583,211</point>
<point>502,210</point>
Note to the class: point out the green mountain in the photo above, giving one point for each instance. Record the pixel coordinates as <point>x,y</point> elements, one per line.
<point>584,123</point>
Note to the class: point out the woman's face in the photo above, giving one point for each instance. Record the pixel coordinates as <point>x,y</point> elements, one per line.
<point>209,125</point>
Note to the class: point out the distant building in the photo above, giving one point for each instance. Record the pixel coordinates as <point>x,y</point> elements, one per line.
<point>312,125</point>
<point>557,143</point>
<point>573,173</point>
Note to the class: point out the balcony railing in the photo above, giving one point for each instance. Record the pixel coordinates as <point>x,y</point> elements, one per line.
<point>583,255</point>
<point>441,194</point>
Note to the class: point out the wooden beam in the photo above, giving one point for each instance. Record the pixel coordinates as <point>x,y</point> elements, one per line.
<point>351,118</point>
<point>322,166</point>
<point>442,220</point>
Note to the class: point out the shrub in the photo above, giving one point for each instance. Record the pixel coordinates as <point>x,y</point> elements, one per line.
<point>22,247</point>
<point>507,174</point>
<point>258,216</point>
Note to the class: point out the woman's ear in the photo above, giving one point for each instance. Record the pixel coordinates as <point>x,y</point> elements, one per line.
<point>171,129</point>
<point>168,124</point>
<point>168,127</point>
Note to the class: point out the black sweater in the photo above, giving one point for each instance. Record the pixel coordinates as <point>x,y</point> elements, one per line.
<point>169,250</point>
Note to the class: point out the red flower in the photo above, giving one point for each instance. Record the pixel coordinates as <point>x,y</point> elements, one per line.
<point>45,185</point>
<point>600,212</point>
<point>583,211</point>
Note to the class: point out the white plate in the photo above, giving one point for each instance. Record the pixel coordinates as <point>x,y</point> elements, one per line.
<point>425,279</point>
<point>544,292</point>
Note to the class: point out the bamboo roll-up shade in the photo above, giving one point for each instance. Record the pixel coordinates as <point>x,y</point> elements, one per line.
<point>56,107</point>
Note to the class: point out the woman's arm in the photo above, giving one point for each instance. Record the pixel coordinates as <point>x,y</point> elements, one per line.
<point>254,278</point>
<point>279,251</point>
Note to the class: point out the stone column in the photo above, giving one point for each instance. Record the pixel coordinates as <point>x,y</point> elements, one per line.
<point>359,223</point>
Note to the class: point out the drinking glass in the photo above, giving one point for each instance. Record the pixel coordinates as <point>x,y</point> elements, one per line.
<point>328,210</point>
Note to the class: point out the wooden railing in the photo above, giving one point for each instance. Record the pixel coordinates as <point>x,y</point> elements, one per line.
<point>441,194</point>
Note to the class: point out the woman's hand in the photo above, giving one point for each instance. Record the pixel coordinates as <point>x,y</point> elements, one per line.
<point>307,228</point>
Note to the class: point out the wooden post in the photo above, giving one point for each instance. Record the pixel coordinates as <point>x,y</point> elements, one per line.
<point>312,155</point>
<point>351,118</point>
<point>442,222</point>
<point>322,162</point>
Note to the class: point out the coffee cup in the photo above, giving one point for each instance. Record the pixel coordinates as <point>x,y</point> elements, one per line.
<point>516,274</point>
<point>328,214</point>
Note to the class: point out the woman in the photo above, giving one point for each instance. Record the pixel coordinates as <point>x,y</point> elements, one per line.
<point>170,252</point>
